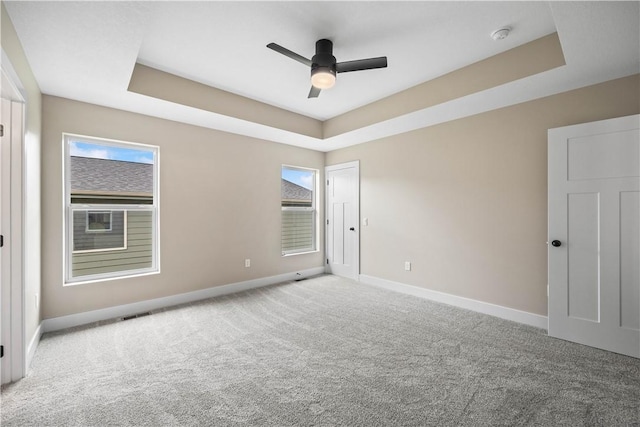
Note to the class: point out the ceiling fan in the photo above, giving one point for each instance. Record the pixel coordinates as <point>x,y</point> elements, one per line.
<point>324,66</point>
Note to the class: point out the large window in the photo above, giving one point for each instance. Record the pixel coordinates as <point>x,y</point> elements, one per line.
<point>111,209</point>
<point>299,216</point>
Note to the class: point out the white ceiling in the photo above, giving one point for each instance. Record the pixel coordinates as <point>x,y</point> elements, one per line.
<point>86,51</point>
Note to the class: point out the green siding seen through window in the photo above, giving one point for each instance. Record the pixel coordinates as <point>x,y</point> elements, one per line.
<point>138,253</point>
<point>297,231</point>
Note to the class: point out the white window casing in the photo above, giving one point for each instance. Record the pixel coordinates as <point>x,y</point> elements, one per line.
<point>130,245</point>
<point>299,233</point>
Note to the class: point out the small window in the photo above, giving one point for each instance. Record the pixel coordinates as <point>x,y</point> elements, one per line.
<point>98,221</point>
<point>299,215</point>
<point>111,209</point>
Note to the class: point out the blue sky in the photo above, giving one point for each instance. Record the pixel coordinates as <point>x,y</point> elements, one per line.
<point>97,151</point>
<point>303,178</point>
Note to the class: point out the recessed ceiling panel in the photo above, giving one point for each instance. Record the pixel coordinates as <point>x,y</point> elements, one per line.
<point>223,44</point>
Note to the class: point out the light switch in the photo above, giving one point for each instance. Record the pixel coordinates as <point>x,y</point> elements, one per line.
<point>365,222</point>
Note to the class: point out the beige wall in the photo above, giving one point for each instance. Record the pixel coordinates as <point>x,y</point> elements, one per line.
<point>161,85</point>
<point>219,204</point>
<point>31,172</point>
<point>466,201</point>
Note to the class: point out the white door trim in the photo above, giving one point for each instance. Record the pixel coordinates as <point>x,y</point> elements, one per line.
<point>353,164</point>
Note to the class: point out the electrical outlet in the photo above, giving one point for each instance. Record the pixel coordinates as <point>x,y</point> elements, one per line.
<point>407,266</point>
<point>247,263</point>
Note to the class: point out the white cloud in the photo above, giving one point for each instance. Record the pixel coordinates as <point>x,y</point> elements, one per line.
<point>95,153</point>
<point>143,159</point>
<point>307,181</point>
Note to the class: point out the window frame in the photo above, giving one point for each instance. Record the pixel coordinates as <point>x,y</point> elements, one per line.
<point>314,208</point>
<point>69,207</point>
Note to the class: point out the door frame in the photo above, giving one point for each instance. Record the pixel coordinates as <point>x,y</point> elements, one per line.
<point>11,255</point>
<point>353,164</point>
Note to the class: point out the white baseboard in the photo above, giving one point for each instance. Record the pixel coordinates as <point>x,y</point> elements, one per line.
<point>31,349</point>
<point>64,322</point>
<point>507,313</point>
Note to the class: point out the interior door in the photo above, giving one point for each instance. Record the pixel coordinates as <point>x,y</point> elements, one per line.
<point>343,213</point>
<point>5,282</point>
<point>594,234</point>
<point>11,269</point>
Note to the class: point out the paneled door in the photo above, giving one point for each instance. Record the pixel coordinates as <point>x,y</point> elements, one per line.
<point>594,234</point>
<point>343,213</point>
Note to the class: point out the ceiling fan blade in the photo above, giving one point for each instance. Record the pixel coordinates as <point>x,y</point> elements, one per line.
<point>314,92</point>
<point>361,64</point>
<point>287,52</point>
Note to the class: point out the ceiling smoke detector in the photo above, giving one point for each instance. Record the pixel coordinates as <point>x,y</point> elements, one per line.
<point>501,33</point>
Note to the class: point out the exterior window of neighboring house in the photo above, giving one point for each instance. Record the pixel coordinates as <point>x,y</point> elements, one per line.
<point>111,209</point>
<point>99,221</point>
<point>299,216</point>
<point>103,231</point>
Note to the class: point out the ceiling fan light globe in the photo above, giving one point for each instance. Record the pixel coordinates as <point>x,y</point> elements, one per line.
<point>323,79</point>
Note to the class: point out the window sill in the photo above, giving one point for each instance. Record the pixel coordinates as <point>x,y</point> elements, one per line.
<point>105,279</point>
<point>301,253</point>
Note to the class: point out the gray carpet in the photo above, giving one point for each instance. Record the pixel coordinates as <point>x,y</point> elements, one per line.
<point>326,352</point>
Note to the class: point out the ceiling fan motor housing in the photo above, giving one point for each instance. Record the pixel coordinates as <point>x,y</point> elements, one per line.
<point>324,66</point>
<point>323,60</point>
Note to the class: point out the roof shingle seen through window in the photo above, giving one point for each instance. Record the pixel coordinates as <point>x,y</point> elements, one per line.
<point>110,176</point>
<point>291,191</point>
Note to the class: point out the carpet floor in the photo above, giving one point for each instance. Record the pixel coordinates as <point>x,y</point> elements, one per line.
<point>320,352</point>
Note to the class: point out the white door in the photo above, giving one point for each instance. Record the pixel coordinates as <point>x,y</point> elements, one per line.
<point>5,259</point>
<point>11,286</point>
<point>594,234</point>
<point>343,213</point>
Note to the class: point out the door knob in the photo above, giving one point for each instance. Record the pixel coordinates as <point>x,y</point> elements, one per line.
<point>352,229</point>
<point>556,243</point>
